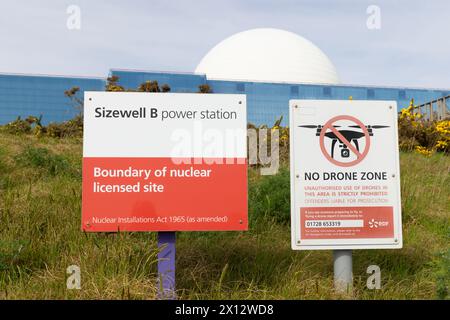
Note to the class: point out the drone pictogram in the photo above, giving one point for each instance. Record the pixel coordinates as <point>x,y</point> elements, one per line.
<point>348,139</point>
<point>350,135</point>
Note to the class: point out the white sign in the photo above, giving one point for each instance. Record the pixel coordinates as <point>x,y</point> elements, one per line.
<point>164,162</point>
<point>345,177</point>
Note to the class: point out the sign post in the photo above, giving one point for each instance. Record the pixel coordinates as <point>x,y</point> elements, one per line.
<point>166,265</point>
<point>345,182</point>
<point>343,270</point>
<point>164,162</point>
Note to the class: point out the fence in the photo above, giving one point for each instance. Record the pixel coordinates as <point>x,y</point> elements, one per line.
<point>435,110</point>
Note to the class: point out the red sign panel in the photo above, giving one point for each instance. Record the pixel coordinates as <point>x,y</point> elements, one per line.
<point>180,198</point>
<point>347,222</point>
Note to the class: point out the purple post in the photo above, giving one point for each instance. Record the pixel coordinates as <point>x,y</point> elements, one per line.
<point>166,265</point>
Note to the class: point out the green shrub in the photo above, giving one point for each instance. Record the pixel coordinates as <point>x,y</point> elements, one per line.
<point>204,88</point>
<point>70,128</point>
<point>18,126</point>
<point>270,197</point>
<point>42,158</point>
<point>442,265</point>
<point>423,136</point>
<point>10,254</point>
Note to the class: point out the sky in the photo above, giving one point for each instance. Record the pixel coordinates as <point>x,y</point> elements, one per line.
<point>411,47</point>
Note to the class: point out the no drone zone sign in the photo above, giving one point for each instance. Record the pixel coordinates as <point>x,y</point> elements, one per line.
<point>164,162</point>
<point>345,183</point>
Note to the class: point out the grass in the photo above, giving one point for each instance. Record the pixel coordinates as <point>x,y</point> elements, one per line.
<point>40,204</point>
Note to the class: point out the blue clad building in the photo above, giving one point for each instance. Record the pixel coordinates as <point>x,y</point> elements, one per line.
<point>24,95</point>
<point>35,95</point>
<point>280,64</point>
<point>266,102</point>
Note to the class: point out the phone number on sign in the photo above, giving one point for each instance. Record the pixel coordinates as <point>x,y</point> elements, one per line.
<point>334,223</point>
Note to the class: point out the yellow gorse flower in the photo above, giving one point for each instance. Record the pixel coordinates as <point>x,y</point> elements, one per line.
<point>409,114</point>
<point>443,127</point>
<point>441,144</point>
<point>424,151</point>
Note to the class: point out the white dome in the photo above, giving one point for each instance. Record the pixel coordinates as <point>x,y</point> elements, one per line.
<point>269,55</point>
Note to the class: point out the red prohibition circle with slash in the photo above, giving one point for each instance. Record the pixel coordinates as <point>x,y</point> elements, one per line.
<point>359,156</point>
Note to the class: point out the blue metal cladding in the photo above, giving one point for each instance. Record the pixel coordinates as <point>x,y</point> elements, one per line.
<point>266,102</point>
<point>25,95</point>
